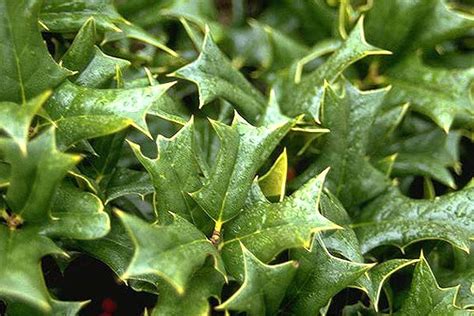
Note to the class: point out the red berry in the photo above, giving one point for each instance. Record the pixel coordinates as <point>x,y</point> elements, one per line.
<point>291,174</point>
<point>109,305</point>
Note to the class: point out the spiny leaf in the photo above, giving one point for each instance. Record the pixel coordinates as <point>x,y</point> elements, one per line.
<point>172,252</point>
<point>20,255</point>
<point>216,78</point>
<point>16,119</point>
<point>27,69</point>
<point>306,96</point>
<point>263,287</point>
<point>349,117</point>
<point>76,111</point>
<point>68,16</point>
<point>266,229</point>
<point>374,280</point>
<point>273,183</point>
<point>243,150</point>
<point>94,67</point>
<point>205,283</point>
<point>393,219</point>
<point>426,297</point>
<point>35,176</point>
<point>414,24</point>
<point>174,173</point>
<point>319,277</point>
<point>441,94</point>
<point>127,181</point>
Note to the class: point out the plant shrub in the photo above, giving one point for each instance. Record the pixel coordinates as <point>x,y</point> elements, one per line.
<point>310,156</point>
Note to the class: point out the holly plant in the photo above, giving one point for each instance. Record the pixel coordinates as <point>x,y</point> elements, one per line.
<point>284,157</point>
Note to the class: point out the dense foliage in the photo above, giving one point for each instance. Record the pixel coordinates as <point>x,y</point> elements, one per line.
<point>311,156</point>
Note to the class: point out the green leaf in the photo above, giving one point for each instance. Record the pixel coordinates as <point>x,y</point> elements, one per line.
<point>393,219</point>
<point>76,215</point>
<point>174,173</point>
<point>27,69</point>
<point>16,119</point>
<point>94,67</point>
<point>428,154</point>
<point>349,117</point>
<point>413,24</point>
<point>25,248</point>
<point>37,210</point>
<point>68,16</point>
<point>266,229</point>
<point>342,241</point>
<point>215,77</point>
<point>319,277</point>
<point>35,176</point>
<point>263,287</point>
<point>440,94</point>
<point>243,150</point>
<point>306,96</point>
<point>273,183</point>
<point>127,181</point>
<point>205,283</point>
<point>76,111</point>
<point>426,297</point>
<point>172,252</point>
<point>372,283</point>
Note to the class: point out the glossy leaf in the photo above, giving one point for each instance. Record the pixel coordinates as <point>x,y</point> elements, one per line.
<point>243,150</point>
<point>319,277</point>
<point>426,297</point>
<point>306,96</point>
<point>174,174</point>
<point>171,252</point>
<point>393,219</point>
<point>27,69</point>
<point>266,229</point>
<point>263,287</point>
<point>76,110</point>
<point>216,78</point>
<point>440,94</point>
<point>349,117</point>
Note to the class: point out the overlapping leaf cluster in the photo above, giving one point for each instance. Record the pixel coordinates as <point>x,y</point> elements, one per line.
<point>360,99</point>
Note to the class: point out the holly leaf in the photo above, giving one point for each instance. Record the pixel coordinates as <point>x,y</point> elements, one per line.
<point>215,78</point>
<point>94,67</point>
<point>266,229</point>
<point>263,287</point>
<point>320,276</point>
<point>414,24</point>
<point>440,94</point>
<point>68,16</point>
<point>36,211</point>
<point>16,119</point>
<point>393,219</point>
<point>76,214</point>
<point>126,181</point>
<point>27,68</point>
<point>372,283</point>
<point>174,173</point>
<point>16,266</point>
<point>172,252</point>
<point>273,183</point>
<point>306,96</point>
<point>426,297</point>
<point>205,283</point>
<point>428,154</point>
<point>349,117</point>
<point>34,177</point>
<point>77,110</point>
<point>243,150</point>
